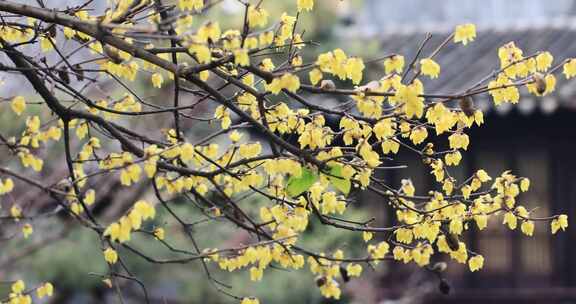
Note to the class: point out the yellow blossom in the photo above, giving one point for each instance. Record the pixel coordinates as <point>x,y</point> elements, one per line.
<point>191,4</point>
<point>257,16</point>
<point>429,68</point>
<point>89,197</point>
<point>511,220</point>
<point>569,68</point>
<point>27,230</point>
<point>367,235</point>
<point>18,105</point>
<point>476,263</point>
<point>559,223</point>
<point>306,5</point>
<point>241,57</point>
<point>18,287</point>
<point>16,212</point>
<point>45,290</point>
<point>465,33</point>
<point>157,80</point>
<point>544,61</point>
<point>395,63</point>
<point>110,255</point>
<point>354,270</point>
<point>315,76</point>
<point>418,135</point>
<point>524,184</point>
<point>527,228</point>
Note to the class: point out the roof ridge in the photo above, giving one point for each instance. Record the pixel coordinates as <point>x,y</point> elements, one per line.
<point>564,23</point>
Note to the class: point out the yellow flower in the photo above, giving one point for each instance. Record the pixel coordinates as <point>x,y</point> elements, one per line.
<point>559,223</point>
<point>18,287</point>
<point>257,16</point>
<point>511,220</point>
<point>459,140</point>
<point>550,83</point>
<point>16,212</point>
<point>27,230</point>
<point>448,186</point>
<point>466,190</point>
<point>159,233</point>
<point>354,270</point>
<point>525,184</point>
<point>89,197</point>
<point>544,61</point>
<point>465,33</point>
<point>209,31</point>
<point>408,187</point>
<point>418,135</point>
<point>390,146</point>
<point>191,4</point>
<point>354,67</point>
<point>476,263</point>
<point>430,68</point>
<point>394,64</point>
<point>256,273</point>
<point>481,221</point>
<point>18,105</point>
<point>456,226</point>
<point>45,290</point>
<point>453,159</point>
<point>367,235</point>
<point>204,75</point>
<point>288,81</point>
<point>250,300</point>
<point>46,43</point>
<point>201,51</point>
<point>527,228</point>
<point>307,5</point>
<point>241,57</point>
<point>569,68</point>
<point>483,176</point>
<point>113,231</point>
<point>315,76</point>
<point>110,255</point>
<point>235,136</point>
<point>157,80</point>
<point>7,186</point>
<point>266,38</point>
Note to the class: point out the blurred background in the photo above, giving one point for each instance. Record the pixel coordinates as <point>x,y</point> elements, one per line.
<point>535,139</point>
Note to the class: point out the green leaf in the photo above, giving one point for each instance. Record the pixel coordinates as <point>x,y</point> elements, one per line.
<point>338,181</point>
<point>298,185</point>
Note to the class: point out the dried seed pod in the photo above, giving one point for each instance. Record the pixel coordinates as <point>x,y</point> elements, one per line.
<point>63,75</point>
<point>467,105</point>
<point>320,281</point>
<point>79,72</point>
<point>540,83</point>
<point>370,87</point>
<point>439,267</point>
<point>51,31</point>
<point>237,214</point>
<point>344,274</point>
<point>327,84</point>
<point>444,287</point>
<point>428,149</point>
<point>452,241</point>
